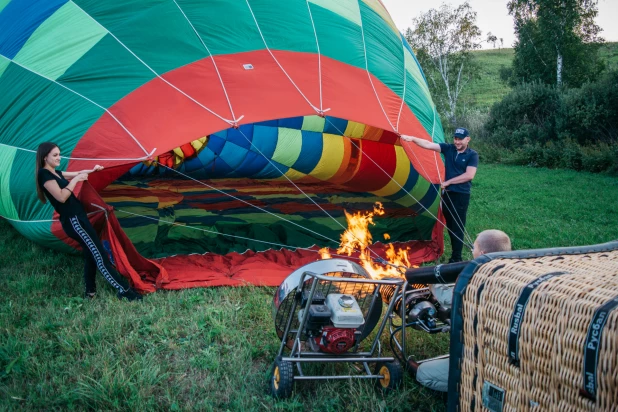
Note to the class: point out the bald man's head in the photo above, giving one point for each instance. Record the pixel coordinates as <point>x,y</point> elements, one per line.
<point>490,241</point>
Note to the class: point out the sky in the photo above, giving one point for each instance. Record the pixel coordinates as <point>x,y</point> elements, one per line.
<point>492,16</point>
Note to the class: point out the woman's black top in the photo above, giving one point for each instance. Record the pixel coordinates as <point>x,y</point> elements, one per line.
<point>72,206</point>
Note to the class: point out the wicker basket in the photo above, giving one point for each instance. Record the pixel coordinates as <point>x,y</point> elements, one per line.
<point>537,331</point>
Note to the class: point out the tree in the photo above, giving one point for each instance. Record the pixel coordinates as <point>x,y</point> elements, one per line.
<point>501,42</point>
<point>443,40</point>
<point>557,41</point>
<point>492,38</point>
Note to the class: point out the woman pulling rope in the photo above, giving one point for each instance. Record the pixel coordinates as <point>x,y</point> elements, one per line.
<point>53,185</point>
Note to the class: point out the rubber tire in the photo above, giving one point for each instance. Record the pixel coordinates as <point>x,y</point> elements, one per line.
<point>281,379</point>
<point>393,376</point>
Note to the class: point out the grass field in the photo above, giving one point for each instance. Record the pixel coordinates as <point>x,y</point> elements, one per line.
<point>211,349</point>
<point>488,89</point>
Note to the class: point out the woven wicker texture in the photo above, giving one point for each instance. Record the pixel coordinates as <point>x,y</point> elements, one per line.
<point>550,373</point>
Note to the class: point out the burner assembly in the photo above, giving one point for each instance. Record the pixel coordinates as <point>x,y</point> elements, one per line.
<point>326,311</point>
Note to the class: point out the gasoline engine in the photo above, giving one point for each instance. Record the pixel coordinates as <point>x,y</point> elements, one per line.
<point>332,322</point>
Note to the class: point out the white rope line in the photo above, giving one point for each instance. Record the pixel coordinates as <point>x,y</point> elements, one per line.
<point>83,97</point>
<point>367,70</point>
<point>139,159</point>
<point>435,157</point>
<point>30,221</point>
<point>212,58</point>
<point>317,43</point>
<point>47,220</point>
<point>262,209</point>
<point>458,221</point>
<point>317,110</point>
<point>229,235</point>
<point>230,122</point>
<point>248,203</point>
<point>190,227</point>
<point>463,229</point>
<point>444,203</point>
<point>206,230</point>
<point>435,154</point>
<point>405,77</point>
<point>396,182</point>
<point>305,194</point>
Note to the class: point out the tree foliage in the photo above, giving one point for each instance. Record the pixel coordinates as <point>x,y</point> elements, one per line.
<point>552,126</point>
<point>492,38</point>
<point>443,40</point>
<point>557,41</point>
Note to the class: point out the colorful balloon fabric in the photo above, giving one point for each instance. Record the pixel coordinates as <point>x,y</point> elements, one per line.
<point>258,119</point>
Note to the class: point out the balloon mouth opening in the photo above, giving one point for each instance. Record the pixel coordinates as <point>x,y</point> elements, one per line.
<point>281,184</point>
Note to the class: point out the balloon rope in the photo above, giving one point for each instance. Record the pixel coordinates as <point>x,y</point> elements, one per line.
<point>317,43</point>
<point>44,220</point>
<point>435,154</point>
<point>319,111</point>
<point>444,204</point>
<point>458,220</point>
<point>405,76</point>
<point>305,194</point>
<point>85,98</point>
<point>369,74</point>
<point>248,203</point>
<point>212,58</point>
<point>139,159</point>
<point>230,122</point>
<point>229,235</point>
<point>396,182</point>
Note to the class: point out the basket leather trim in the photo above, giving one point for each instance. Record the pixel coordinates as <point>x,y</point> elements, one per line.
<point>593,346</point>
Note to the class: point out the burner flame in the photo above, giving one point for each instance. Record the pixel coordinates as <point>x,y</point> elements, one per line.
<point>357,239</point>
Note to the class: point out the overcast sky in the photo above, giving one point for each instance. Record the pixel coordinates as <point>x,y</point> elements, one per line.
<point>492,16</point>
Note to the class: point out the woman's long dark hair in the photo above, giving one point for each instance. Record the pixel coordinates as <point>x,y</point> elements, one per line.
<point>41,154</point>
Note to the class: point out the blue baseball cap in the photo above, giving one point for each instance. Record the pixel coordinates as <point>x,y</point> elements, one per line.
<point>461,133</point>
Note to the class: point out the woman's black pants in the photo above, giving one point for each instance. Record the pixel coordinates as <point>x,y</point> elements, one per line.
<point>95,256</point>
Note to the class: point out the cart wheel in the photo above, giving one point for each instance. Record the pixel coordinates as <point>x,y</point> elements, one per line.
<point>282,379</point>
<point>393,376</point>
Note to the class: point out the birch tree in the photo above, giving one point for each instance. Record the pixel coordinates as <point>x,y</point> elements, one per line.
<point>557,41</point>
<point>443,40</point>
<point>492,38</point>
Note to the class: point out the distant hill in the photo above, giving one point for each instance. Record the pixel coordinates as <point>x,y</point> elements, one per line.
<point>488,89</point>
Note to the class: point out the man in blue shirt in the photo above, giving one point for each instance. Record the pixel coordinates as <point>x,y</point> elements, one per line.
<point>461,163</point>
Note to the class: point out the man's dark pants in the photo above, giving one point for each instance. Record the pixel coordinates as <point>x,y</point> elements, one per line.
<point>455,208</point>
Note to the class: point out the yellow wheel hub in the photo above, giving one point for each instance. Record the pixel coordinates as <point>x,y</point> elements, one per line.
<point>387,377</point>
<point>276,378</point>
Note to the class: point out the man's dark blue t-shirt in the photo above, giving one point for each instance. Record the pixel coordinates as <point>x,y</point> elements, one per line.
<point>456,164</point>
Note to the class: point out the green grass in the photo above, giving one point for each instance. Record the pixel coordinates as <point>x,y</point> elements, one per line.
<point>541,208</point>
<point>487,88</point>
<point>211,349</point>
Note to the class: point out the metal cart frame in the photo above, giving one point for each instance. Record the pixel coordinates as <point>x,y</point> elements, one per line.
<point>297,356</point>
